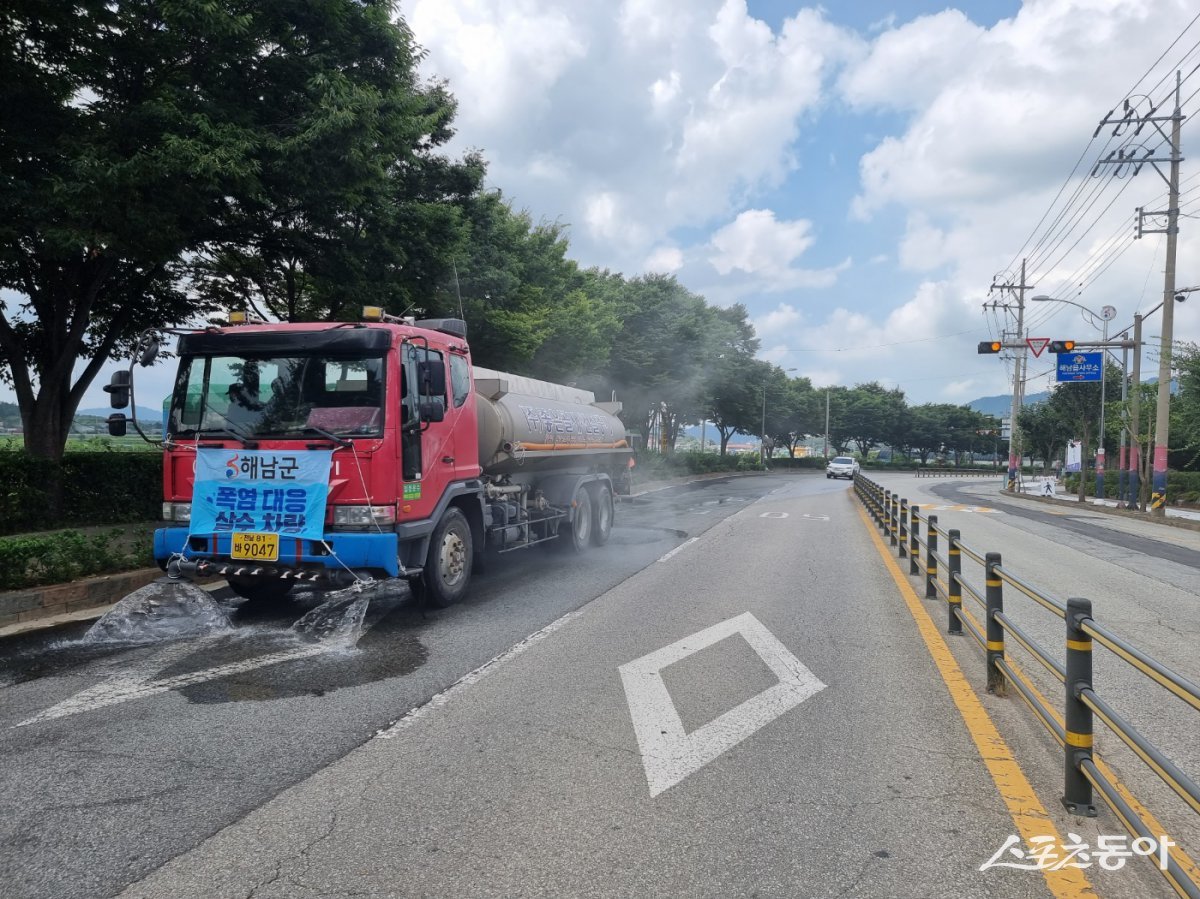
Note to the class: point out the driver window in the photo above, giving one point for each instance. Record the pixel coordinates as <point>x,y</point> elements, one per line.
<point>460,380</point>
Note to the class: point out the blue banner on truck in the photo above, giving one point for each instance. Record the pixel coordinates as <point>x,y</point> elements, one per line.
<point>261,491</point>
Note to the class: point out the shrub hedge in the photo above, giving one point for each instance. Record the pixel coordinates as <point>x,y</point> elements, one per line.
<point>1182,486</point>
<point>64,556</point>
<point>82,489</point>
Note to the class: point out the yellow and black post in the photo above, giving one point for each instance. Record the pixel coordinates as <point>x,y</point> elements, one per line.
<point>902,518</point>
<point>895,517</point>
<point>886,524</point>
<point>931,547</point>
<point>914,539</point>
<point>1077,794</point>
<point>994,596</point>
<point>953,587</point>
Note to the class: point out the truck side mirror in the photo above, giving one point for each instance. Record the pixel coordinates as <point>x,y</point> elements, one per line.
<point>118,390</point>
<point>150,353</point>
<point>432,379</point>
<point>116,425</point>
<point>433,410</point>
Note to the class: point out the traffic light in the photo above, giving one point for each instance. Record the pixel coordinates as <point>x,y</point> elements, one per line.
<point>990,346</point>
<point>1062,346</point>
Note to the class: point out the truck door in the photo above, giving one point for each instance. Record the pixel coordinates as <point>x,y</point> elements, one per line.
<point>461,411</point>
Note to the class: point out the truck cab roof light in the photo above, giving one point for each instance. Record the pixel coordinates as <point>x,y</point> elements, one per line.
<point>242,317</point>
<point>372,313</point>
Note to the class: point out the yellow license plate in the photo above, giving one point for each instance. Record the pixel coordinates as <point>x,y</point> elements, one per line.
<point>255,547</point>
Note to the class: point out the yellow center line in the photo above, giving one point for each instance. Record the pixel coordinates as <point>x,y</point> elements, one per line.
<point>1026,810</point>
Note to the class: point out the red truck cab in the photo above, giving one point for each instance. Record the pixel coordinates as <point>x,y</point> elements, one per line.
<point>391,402</point>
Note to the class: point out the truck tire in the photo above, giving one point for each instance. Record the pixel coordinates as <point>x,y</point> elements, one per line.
<point>261,592</point>
<point>448,568</point>
<point>602,515</point>
<point>576,535</point>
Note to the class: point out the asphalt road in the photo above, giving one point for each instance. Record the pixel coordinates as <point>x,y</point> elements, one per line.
<point>806,745</point>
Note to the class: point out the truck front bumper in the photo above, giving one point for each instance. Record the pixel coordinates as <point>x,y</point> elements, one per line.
<point>374,553</point>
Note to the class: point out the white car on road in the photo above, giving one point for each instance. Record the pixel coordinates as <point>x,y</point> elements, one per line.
<point>841,467</point>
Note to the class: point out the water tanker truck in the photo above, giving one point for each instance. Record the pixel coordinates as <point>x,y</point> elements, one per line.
<point>330,453</point>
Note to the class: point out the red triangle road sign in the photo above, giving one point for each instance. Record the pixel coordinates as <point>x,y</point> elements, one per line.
<point>1037,344</point>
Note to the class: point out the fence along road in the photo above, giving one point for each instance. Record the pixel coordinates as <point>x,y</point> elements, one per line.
<point>1149,601</point>
<point>855,775</point>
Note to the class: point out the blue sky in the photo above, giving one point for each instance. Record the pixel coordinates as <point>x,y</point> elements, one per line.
<point>856,174</point>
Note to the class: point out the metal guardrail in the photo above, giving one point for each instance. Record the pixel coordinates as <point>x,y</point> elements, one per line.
<point>961,472</point>
<point>901,523</point>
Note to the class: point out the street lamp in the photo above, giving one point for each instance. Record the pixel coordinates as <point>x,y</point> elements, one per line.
<point>1106,314</point>
<point>763,447</point>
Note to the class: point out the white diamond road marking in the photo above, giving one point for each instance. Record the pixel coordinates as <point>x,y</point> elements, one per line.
<point>773,515</point>
<point>668,754</point>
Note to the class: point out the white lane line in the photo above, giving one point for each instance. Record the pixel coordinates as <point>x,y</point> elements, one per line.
<point>679,548</point>
<point>139,681</point>
<point>668,753</point>
<point>473,677</point>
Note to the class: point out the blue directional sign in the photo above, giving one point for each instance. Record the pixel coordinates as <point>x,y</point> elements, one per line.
<point>1079,366</point>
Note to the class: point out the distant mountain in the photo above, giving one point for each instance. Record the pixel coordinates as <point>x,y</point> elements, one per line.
<point>1001,405</point>
<point>143,412</point>
<point>714,435</point>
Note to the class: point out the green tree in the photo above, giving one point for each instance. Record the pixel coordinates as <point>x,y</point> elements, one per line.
<point>735,397</point>
<point>872,415</point>
<point>801,412</point>
<point>255,142</point>
<point>673,350</point>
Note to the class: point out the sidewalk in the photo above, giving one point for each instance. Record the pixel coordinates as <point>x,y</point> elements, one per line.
<point>1033,487</point>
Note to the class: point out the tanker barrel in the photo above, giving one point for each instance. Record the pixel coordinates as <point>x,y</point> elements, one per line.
<point>522,418</point>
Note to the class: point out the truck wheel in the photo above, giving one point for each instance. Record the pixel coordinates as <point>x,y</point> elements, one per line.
<point>261,592</point>
<point>578,533</point>
<point>602,515</point>
<point>448,568</point>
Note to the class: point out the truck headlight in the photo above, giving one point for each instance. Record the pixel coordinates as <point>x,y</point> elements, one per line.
<point>363,516</point>
<point>181,512</point>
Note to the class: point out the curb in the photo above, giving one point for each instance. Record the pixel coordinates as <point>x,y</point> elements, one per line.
<point>115,587</point>
<point>19,607</point>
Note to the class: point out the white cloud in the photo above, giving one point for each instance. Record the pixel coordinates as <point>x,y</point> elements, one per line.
<point>909,66</point>
<point>678,111</point>
<point>1001,110</point>
<point>494,85</point>
<point>664,90</point>
<point>664,260</point>
<point>757,243</point>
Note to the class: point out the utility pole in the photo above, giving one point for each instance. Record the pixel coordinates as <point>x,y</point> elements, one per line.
<point>1135,412</point>
<point>1132,158</point>
<point>1014,443</point>
<point>826,424</point>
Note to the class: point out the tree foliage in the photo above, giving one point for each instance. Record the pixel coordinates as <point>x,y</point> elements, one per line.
<point>168,158</point>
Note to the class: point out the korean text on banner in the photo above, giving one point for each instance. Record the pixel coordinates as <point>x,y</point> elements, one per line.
<point>265,491</point>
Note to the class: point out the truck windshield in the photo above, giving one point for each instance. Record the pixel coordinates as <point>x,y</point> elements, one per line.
<point>279,396</point>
